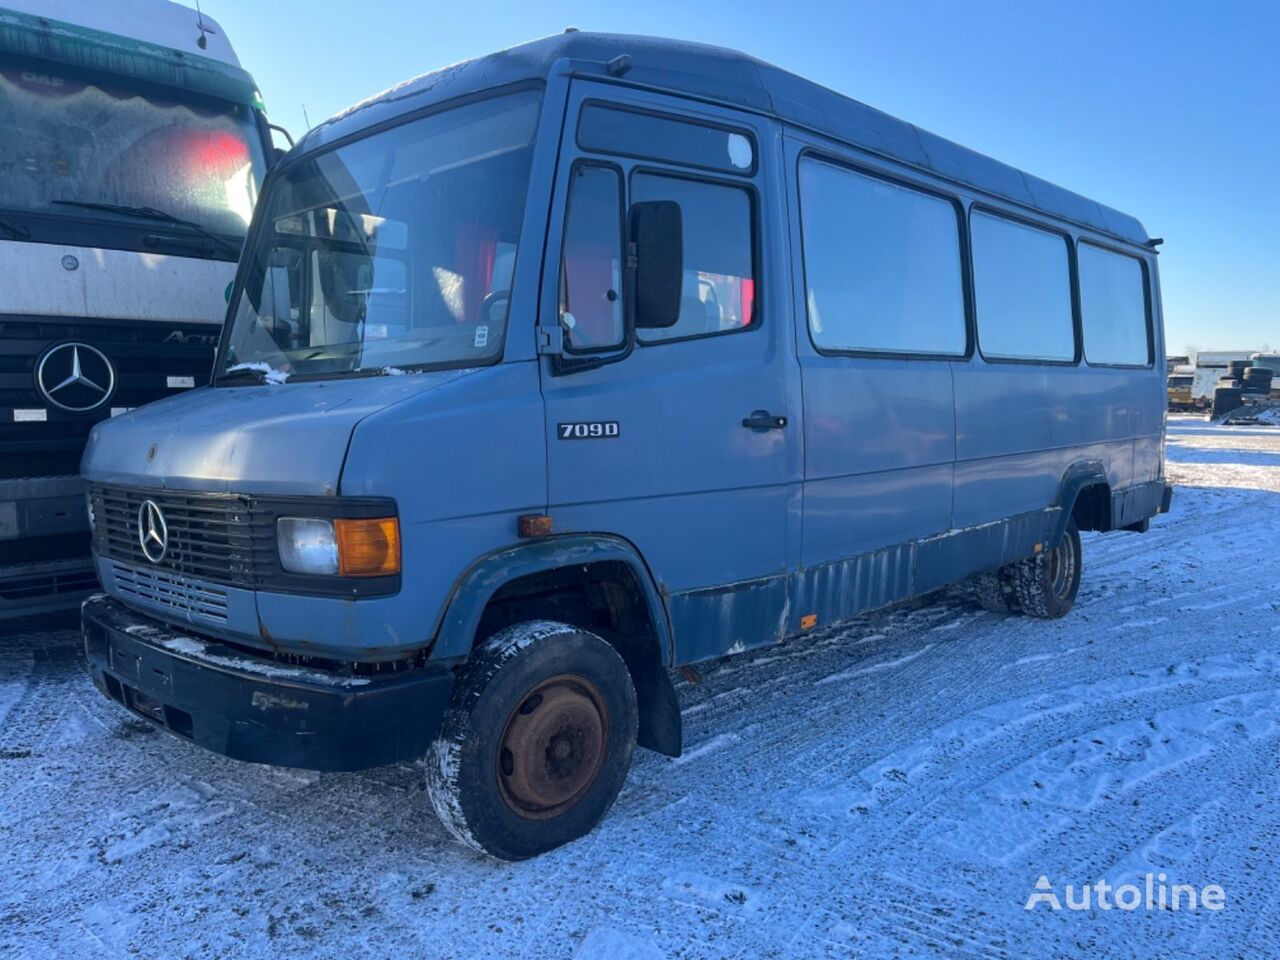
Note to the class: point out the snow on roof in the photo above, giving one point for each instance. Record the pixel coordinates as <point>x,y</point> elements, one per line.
<point>160,22</point>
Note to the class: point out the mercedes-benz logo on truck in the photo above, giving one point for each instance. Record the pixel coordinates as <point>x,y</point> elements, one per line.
<point>153,531</point>
<point>76,377</point>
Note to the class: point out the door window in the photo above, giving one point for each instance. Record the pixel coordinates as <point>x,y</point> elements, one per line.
<point>719,291</point>
<point>591,262</point>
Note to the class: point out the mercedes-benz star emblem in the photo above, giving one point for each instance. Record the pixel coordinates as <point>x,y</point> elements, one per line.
<point>76,377</point>
<point>153,532</point>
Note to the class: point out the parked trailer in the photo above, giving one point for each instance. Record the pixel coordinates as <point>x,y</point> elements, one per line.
<point>599,356</point>
<point>133,148</point>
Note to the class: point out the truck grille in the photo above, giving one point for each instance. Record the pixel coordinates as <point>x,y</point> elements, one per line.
<point>221,540</point>
<point>172,590</point>
<point>145,354</point>
<point>215,538</point>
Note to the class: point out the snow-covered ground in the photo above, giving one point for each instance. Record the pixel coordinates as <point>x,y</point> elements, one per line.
<point>894,788</point>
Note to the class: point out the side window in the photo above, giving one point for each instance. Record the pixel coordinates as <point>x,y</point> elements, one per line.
<point>612,129</point>
<point>1022,285</point>
<point>882,265</point>
<point>719,292</point>
<point>1113,307</point>
<point>591,261</point>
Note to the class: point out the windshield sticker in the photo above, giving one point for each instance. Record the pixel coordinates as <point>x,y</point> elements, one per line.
<point>482,336</point>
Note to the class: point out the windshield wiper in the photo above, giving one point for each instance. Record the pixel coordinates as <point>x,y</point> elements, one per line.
<point>14,231</point>
<point>151,213</point>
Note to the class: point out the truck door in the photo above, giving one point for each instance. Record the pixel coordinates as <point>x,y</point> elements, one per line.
<point>684,441</point>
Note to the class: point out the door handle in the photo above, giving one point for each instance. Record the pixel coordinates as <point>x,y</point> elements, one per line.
<point>763,420</point>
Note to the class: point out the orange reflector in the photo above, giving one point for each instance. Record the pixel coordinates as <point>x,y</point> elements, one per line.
<point>368,548</point>
<point>808,621</point>
<point>535,525</point>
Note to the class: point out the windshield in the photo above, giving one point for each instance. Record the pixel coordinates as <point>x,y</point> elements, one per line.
<point>71,140</point>
<point>391,252</point>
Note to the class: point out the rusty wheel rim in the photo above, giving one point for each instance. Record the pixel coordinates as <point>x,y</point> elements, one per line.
<point>553,747</point>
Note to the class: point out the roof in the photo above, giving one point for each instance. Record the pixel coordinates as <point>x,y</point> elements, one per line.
<point>150,40</point>
<point>160,22</point>
<point>738,80</point>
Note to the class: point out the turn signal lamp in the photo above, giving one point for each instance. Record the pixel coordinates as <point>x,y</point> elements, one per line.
<point>368,548</point>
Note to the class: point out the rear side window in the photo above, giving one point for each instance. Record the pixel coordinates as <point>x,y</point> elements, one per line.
<point>719,291</point>
<point>1022,284</point>
<point>882,265</point>
<point>591,261</point>
<point>1113,306</point>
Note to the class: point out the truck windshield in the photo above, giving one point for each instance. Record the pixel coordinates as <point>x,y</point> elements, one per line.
<point>71,144</point>
<point>392,252</point>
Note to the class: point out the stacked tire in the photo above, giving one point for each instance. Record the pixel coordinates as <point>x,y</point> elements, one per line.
<point>1236,369</point>
<point>1257,381</point>
<point>1226,399</point>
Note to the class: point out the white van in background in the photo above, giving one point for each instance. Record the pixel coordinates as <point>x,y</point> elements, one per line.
<point>134,146</point>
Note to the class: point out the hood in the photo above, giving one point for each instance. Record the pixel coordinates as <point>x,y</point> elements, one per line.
<point>266,439</point>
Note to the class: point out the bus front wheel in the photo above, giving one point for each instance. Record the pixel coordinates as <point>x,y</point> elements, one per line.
<point>536,742</point>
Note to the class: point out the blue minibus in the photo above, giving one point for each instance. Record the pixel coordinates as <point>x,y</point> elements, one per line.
<point>556,369</point>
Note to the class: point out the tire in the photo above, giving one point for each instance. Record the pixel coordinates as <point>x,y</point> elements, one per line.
<point>536,741</point>
<point>1224,401</point>
<point>993,591</point>
<point>1046,585</point>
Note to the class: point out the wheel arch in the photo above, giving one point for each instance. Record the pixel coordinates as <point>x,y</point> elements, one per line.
<point>1085,496</point>
<point>574,578</point>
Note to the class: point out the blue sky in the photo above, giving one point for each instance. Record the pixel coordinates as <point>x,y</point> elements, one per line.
<point>1169,111</point>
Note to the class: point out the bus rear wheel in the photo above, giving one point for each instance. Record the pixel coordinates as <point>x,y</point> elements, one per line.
<point>536,742</point>
<point>1046,585</point>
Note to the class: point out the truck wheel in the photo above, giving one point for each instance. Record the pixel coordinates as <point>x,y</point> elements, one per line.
<point>536,741</point>
<point>1046,585</point>
<point>993,592</point>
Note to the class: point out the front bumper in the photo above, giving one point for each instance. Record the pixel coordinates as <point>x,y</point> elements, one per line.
<point>255,708</point>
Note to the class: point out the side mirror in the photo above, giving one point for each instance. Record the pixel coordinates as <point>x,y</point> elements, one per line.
<point>657,243</point>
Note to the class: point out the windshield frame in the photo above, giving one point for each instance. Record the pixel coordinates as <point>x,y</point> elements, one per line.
<point>258,225</point>
<point>70,226</point>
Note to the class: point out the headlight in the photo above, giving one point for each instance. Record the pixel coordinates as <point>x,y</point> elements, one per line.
<point>347,548</point>
<point>307,545</point>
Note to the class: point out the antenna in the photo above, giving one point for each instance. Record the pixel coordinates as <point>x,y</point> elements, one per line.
<point>305,117</point>
<point>202,41</point>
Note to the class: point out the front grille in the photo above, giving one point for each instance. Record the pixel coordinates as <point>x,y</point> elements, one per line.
<point>212,537</point>
<point>172,590</point>
<point>227,539</point>
<point>145,354</point>
<point>39,581</point>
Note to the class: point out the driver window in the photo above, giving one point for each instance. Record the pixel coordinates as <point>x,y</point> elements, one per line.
<point>591,262</point>
<point>719,291</point>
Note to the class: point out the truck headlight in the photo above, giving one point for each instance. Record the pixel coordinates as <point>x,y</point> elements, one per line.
<point>307,545</point>
<point>347,548</point>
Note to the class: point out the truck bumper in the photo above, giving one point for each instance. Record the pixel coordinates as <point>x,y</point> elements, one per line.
<point>256,708</point>
<point>44,546</point>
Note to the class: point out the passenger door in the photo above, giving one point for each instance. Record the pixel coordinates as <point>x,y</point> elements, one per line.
<point>683,441</point>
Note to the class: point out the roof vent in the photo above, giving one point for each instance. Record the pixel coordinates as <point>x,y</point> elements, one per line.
<point>570,29</point>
